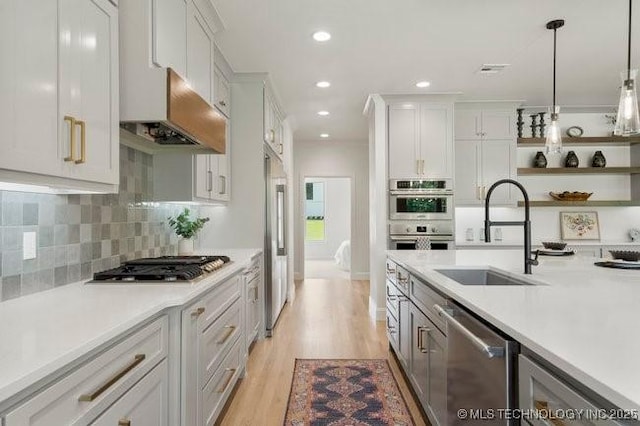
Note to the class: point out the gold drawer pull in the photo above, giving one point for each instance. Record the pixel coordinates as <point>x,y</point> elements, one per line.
<point>119,375</point>
<point>72,138</point>
<point>83,142</point>
<point>124,422</point>
<point>226,382</point>
<point>230,330</point>
<point>197,312</point>
<point>544,406</point>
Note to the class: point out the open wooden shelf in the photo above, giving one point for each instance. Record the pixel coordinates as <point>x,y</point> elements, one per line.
<point>587,140</point>
<point>595,203</point>
<point>523,171</point>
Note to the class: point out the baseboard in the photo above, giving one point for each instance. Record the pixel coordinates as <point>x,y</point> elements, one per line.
<point>361,276</point>
<point>376,314</point>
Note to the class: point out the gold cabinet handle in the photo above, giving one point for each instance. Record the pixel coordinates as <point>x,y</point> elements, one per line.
<point>83,141</point>
<point>223,388</point>
<point>72,138</point>
<point>421,337</point>
<point>124,422</point>
<point>223,184</point>
<point>478,193</point>
<point>227,334</point>
<point>209,181</point>
<point>197,312</point>
<point>119,375</point>
<point>544,406</point>
<point>484,192</point>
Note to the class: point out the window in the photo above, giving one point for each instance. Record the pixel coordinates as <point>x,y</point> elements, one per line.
<point>314,211</point>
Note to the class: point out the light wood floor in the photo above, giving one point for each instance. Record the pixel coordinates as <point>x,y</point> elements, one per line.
<point>328,319</point>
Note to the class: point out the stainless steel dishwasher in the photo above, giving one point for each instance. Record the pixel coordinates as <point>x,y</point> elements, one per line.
<point>481,370</point>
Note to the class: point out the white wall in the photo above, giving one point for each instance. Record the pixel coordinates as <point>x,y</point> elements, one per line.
<point>335,159</point>
<point>337,218</point>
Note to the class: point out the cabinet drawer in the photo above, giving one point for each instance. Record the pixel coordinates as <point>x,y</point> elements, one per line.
<point>85,392</point>
<point>390,270</point>
<point>215,303</point>
<point>541,390</point>
<point>219,387</point>
<point>217,339</point>
<point>392,298</point>
<point>425,297</point>
<point>146,404</point>
<point>402,279</point>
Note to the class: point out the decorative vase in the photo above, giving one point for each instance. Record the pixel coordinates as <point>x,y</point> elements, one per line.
<point>539,161</point>
<point>598,160</point>
<point>571,160</point>
<point>185,247</point>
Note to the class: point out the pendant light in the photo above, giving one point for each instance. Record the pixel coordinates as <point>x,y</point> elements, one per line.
<point>628,120</point>
<point>553,144</point>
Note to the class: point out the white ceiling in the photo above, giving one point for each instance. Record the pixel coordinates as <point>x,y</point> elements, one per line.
<point>386,46</point>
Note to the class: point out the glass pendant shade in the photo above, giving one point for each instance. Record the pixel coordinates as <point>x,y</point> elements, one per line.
<point>628,119</point>
<point>553,143</point>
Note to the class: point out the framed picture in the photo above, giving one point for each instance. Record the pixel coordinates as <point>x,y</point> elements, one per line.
<point>579,226</point>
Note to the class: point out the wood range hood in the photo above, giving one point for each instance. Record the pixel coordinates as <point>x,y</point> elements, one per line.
<point>185,121</point>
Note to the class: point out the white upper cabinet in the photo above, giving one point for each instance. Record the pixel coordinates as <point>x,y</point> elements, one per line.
<point>170,34</point>
<point>475,124</point>
<point>272,124</point>
<point>59,78</point>
<point>90,92</point>
<point>420,140</point>
<point>200,52</point>
<point>222,92</point>
<point>485,151</point>
<point>186,177</point>
<point>404,140</point>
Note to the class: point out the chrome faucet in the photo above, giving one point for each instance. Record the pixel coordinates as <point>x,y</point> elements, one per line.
<point>528,260</point>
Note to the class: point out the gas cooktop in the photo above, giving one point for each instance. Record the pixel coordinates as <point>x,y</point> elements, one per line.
<point>164,268</point>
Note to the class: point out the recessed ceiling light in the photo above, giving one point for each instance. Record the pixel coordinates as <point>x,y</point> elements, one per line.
<point>323,113</point>
<point>324,135</point>
<point>321,36</point>
<point>423,84</point>
<point>323,84</point>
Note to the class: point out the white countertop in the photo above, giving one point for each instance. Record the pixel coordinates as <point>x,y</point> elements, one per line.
<point>43,332</point>
<point>511,243</point>
<point>585,319</point>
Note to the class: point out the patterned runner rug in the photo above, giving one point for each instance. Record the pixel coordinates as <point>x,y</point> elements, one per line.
<point>356,392</point>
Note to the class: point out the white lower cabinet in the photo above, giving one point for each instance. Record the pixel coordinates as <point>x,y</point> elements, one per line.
<point>252,278</point>
<point>212,352</point>
<point>543,391</point>
<point>85,392</point>
<point>143,405</point>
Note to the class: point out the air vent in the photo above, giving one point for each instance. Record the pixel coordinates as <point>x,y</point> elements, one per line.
<point>492,68</point>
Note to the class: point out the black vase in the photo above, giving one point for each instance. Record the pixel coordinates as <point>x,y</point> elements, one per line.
<point>571,160</point>
<point>539,161</point>
<point>598,160</point>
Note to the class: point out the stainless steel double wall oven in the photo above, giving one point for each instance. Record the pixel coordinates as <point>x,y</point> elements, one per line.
<point>421,213</point>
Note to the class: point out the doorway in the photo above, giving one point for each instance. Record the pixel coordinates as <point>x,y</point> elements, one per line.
<point>327,227</point>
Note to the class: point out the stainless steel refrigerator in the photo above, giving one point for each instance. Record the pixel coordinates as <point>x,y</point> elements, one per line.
<point>275,243</point>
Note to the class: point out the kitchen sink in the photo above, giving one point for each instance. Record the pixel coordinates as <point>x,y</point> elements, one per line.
<point>480,277</point>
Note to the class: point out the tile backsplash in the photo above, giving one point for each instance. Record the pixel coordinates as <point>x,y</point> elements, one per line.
<point>77,235</point>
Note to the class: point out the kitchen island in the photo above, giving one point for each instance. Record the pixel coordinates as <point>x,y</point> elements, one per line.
<point>579,318</point>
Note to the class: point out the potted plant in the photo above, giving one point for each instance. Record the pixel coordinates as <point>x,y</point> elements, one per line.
<point>186,229</point>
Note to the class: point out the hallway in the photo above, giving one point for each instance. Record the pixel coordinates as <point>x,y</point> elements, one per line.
<point>327,320</point>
